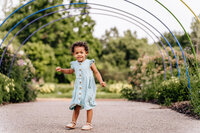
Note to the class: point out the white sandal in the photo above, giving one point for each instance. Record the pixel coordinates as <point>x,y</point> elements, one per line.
<point>87,126</point>
<point>71,125</point>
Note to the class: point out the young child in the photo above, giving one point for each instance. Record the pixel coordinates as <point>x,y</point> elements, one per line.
<point>84,92</point>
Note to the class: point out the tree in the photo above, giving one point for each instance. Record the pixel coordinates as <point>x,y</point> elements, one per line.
<point>43,60</point>
<point>182,38</point>
<point>118,52</point>
<point>59,35</point>
<point>195,35</point>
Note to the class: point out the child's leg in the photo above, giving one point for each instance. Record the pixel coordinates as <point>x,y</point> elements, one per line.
<point>76,113</point>
<point>89,115</point>
<point>88,125</point>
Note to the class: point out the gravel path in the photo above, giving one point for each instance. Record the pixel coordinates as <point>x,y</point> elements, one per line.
<point>110,116</point>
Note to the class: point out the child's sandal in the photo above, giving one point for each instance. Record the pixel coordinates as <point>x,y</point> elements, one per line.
<point>71,125</point>
<point>87,126</point>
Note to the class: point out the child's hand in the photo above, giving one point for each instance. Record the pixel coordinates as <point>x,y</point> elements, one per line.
<point>58,69</point>
<point>103,84</point>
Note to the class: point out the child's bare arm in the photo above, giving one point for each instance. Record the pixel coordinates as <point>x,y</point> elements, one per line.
<point>98,75</point>
<point>65,71</point>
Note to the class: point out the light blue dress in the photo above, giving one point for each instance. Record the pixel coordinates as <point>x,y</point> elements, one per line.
<point>84,92</point>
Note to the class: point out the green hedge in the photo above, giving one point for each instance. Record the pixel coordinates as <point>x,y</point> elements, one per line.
<point>166,92</point>
<point>149,84</point>
<point>16,88</point>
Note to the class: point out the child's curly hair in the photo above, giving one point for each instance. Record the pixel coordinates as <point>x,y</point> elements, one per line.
<point>80,44</point>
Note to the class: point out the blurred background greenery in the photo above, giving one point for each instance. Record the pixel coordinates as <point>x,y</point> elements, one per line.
<point>132,68</point>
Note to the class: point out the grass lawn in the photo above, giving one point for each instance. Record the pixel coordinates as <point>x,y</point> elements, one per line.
<point>69,95</point>
<point>65,91</point>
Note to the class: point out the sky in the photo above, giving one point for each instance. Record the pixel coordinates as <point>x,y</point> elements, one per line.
<point>106,22</point>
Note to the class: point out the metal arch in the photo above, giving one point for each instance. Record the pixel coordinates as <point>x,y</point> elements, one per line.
<point>34,14</point>
<point>184,30</point>
<point>88,13</point>
<point>147,24</point>
<point>151,32</point>
<point>184,60</point>
<point>191,10</point>
<point>15,12</point>
<point>35,32</point>
<point>98,5</point>
<point>97,9</point>
<point>172,35</point>
<point>80,3</point>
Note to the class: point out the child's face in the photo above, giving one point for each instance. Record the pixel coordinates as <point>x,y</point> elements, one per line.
<point>80,53</point>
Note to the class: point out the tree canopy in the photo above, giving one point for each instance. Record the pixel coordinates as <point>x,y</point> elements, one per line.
<point>59,35</point>
<point>118,52</point>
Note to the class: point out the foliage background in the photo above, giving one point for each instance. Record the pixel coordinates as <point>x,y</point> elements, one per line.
<point>123,61</point>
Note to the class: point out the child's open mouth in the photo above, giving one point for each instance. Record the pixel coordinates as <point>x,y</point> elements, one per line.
<point>79,58</point>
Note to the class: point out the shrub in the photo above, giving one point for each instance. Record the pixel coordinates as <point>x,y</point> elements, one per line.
<point>195,94</point>
<point>117,87</point>
<point>172,90</point>
<point>43,59</point>
<point>129,93</point>
<point>149,94</point>
<point>149,84</point>
<point>1,94</point>
<point>30,93</point>
<point>22,74</point>
<point>45,88</point>
<point>7,86</point>
<point>17,95</point>
<point>16,88</point>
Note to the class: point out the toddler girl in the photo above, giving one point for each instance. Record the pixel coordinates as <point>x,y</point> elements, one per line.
<point>84,92</point>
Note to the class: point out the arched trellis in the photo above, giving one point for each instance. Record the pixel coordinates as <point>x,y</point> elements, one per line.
<point>107,7</point>
<point>172,35</point>
<point>145,10</point>
<point>105,14</point>
<point>197,68</point>
<point>76,15</point>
